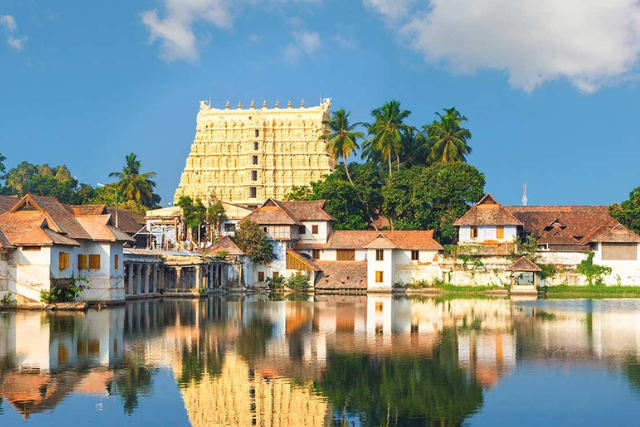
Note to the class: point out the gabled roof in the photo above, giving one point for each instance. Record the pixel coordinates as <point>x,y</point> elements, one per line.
<point>304,260</point>
<point>225,244</point>
<point>59,219</point>
<point>579,221</point>
<point>88,209</point>
<point>367,239</point>
<point>312,210</point>
<point>273,212</point>
<point>488,212</point>
<point>100,228</point>
<point>524,264</point>
<point>6,203</point>
<point>129,222</point>
<point>612,232</point>
<point>31,228</point>
<point>557,236</point>
<point>4,242</point>
<point>381,242</point>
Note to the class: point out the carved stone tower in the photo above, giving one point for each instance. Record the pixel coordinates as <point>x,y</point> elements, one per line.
<point>245,156</point>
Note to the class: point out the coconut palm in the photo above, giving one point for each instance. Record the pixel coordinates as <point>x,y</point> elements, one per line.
<point>415,148</point>
<point>342,142</point>
<point>386,132</point>
<point>448,139</point>
<point>133,184</point>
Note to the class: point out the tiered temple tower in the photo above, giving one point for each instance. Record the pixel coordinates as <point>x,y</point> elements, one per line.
<point>246,155</point>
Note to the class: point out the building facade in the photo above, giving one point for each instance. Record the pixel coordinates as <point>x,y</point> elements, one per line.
<point>248,155</point>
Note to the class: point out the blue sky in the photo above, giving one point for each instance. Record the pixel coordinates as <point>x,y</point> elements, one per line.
<point>550,88</point>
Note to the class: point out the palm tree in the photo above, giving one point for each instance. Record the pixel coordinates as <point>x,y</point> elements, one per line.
<point>133,184</point>
<point>386,132</point>
<point>448,138</point>
<point>415,147</point>
<point>342,141</point>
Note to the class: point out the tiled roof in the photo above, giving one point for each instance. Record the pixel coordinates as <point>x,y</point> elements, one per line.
<point>100,229</point>
<point>303,259</point>
<point>557,236</point>
<point>576,221</point>
<point>59,219</point>
<point>6,203</point>
<point>612,232</point>
<point>4,242</point>
<point>488,212</point>
<point>308,210</point>
<point>128,221</point>
<point>273,212</point>
<point>88,209</point>
<point>380,242</point>
<point>524,264</point>
<point>27,228</point>
<point>336,275</point>
<point>359,239</point>
<point>225,244</point>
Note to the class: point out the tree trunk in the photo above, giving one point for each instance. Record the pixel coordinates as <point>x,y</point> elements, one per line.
<point>389,158</point>
<point>346,169</point>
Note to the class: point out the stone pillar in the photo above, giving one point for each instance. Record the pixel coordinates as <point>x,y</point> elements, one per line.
<point>145,277</point>
<point>198,274</point>
<point>157,277</point>
<point>138,279</point>
<point>129,285</point>
<point>178,277</point>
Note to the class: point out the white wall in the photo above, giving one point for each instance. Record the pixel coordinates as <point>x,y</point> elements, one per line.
<point>625,272</point>
<point>386,265</point>
<point>324,228</point>
<point>426,268</point>
<point>486,233</point>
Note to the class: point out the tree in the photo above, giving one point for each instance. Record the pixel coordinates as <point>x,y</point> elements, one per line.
<point>448,139</point>
<point>415,148</point>
<point>628,212</point>
<point>3,168</point>
<point>252,240</point>
<point>135,185</point>
<point>215,217</point>
<point>386,132</point>
<point>343,141</point>
<point>194,217</point>
<point>432,198</point>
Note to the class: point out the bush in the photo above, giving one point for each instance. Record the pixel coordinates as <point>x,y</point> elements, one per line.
<point>7,298</point>
<point>547,271</point>
<point>65,293</point>
<point>275,282</point>
<point>593,272</point>
<point>298,283</point>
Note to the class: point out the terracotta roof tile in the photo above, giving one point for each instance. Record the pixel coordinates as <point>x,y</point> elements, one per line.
<point>308,210</point>
<point>358,239</point>
<point>100,229</point>
<point>88,209</point>
<point>488,212</point>
<point>557,236</point>
<point>272,212</point>
<point>129,222</point>
<point>59,218</point>
<point>576,221</point>
<point>225,244</point>
<point>4,241</point>
<point>524,264</point>
<point>336,275</point>
<point>6,203</point>
<point>612,232</point>
<point>28,228</point>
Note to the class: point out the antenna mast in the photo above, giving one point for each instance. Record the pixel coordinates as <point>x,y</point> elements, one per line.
<point>524,194</point>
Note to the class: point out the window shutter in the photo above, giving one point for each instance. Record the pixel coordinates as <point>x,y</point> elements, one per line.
<point>82,262</point>
<point>116,262</point>
<point>94,262</point>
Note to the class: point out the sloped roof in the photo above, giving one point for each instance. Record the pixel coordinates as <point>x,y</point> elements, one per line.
<point>225,244</point>
<point>4,241</point>
<point>273,212</point>
<point>612,232</point>
<point>88,209</point>
<point>129,222</point>
<point>100,229</point>
<point>29,228</point>
<point>524,264</point>
<point>360,239</point>
<point>6,203</point>
<point>579,221</point>
<point>306,261</point>
<point>336,275</point>
<point>308,210</point>
<point>488,212</point>
<point>59,218</point>
<point>557,236</point>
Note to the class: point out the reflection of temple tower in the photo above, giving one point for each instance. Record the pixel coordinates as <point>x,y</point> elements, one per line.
<point>241,396</point>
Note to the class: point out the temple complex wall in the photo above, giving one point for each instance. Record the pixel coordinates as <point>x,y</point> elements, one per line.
<point>248,155</point>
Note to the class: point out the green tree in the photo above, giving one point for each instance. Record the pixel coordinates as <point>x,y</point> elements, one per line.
<point>342,142</point>
<point>194,217</point>
<point>415,148</point>
<point>252,240</point>
<point>135,381</point>
<point>215,217</point>
<point>432,197</point>
<point>3,168</point>
<point>135,185</point>
<point>628,212</point>
<point>448,139</point>
<point>386,133</point>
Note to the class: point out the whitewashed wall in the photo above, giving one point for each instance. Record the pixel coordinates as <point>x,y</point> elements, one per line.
<point>626,272</point>
<point>385,265</point>
<point>406,270</point>
<point>324,228</point>
<point>486,233</point>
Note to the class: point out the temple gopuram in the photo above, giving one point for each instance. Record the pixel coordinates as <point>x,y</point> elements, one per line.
<point>245,156</point>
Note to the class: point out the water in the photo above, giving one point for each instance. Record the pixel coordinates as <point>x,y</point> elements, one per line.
<point>332,361</point>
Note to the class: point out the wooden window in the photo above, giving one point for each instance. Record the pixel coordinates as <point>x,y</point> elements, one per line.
<point>256,146</point>
<point>346,255</point>
<point>253,192</point>
<point>4,256</point>
<point>31,248</point>
<point>83,262</point>
<point>257,133</point>
<point>302,229</point>
<point>500,232</point>
<point>260,276</point>
<point>94,262</point>
<point>379,276</point>
<point>63,261</point>
<point>254,175</point>
<point>229,227</point>
<point>619,251</point>
<point>379,255</point>
<point>415,255</point>
<point>473,232</point>
<point>254,160</point>
<point>276,274</point>
<point>315,254</point>
<point>116,262</point>
<point>314,229</point>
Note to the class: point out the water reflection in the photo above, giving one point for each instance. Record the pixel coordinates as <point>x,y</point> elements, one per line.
<point>328,360</point>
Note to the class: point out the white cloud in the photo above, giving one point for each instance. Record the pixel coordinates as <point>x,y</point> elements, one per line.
<point>590,43</point>
<point>10,26</point>
<point>391,10</point>
<point>305,43</point>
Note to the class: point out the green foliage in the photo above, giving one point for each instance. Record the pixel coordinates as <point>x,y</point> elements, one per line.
<point>276,283</point>
<point>3,168</point>
<point>547,271</point>
<point>628,212</point>
<point>135,381</point>
<point>298,283</point>
<point>222,254</point>
<point>348,203</point>
<point>133,184</point>
<point>448,139</point>
<point>386,133</point>
<point>214,218</point>
<point>432,198</point>
<point>528,248</point>
<point>593,272</point>
<point>252,341</point>
<point>252,240</point>
<point>202,290</point>
<point>572,291</point>
<point>7,298</point>
<point>69,292</point>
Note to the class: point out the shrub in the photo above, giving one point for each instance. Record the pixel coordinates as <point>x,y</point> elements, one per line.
<point>65,293</point>
<point>7,298</point>
<point>593,272</point>
<point>275,282</point>
<point>547,271</point>
<point>298,283</point>
<point>202,290</point>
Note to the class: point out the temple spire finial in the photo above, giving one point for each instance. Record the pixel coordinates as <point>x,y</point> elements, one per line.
<point>302,104</point>
<point>264,104</point>
<point>289,104</point>
<point>227,105</point>
<point>252,105</point>
<point>239,105</point>
<point>277,104</point>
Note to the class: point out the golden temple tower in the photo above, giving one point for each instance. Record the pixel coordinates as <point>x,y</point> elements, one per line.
<point>246,155</point>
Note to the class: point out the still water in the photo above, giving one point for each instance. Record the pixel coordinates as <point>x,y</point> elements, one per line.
<point>324,361</point>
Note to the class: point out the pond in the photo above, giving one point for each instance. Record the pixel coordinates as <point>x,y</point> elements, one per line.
<point>324,361</point>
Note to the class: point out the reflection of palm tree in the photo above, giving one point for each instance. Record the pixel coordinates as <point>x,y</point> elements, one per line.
<point>204,356</point>
<point>135,381</point>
